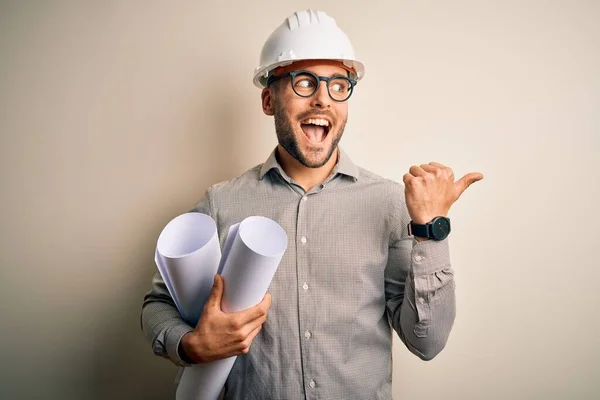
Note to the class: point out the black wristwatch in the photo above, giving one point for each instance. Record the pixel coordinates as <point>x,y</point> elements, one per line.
<point>437,229</point>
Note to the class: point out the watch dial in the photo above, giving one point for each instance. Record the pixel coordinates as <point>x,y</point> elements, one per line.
<point>441,228</point>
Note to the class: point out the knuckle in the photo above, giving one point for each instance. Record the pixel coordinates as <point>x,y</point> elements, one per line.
<point>205,309</point>
<point>246,343</point>
<point>248,334</point>
<point>236,324</point>
<point>239,336</point>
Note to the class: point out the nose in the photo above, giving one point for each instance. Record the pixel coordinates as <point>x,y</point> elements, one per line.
<point>321,99</point>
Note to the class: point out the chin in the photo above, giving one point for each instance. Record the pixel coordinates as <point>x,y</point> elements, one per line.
<point>316,156</point>
<point>315,163</point>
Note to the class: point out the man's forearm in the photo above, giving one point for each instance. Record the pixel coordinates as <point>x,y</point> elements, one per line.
<point>426,316</point>
<point>162,324</point>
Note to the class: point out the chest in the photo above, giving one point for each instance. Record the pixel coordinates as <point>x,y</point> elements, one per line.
<point>337,240</point>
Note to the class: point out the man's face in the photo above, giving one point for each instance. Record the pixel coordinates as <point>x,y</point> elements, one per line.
<point>309,128</point>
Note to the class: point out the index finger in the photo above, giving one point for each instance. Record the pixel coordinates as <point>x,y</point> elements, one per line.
<point>437,164</point>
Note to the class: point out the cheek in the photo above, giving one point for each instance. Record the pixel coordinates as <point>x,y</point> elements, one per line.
<point>286,116</point>
<point>292,106</point>
<point>341,113</point>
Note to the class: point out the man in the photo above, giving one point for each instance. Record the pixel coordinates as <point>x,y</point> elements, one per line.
<point>365,254</point>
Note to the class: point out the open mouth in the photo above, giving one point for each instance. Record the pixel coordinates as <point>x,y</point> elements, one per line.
<point>315,129</point>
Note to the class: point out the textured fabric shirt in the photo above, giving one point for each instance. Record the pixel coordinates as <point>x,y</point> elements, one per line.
<point>350,274</point>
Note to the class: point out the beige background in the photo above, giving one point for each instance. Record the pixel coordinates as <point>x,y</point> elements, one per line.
<point>116,115</point>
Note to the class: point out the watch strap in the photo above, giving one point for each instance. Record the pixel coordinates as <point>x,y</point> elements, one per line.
<point>420,230</point>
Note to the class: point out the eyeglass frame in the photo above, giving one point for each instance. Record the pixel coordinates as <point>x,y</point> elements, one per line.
<point>272,79</point>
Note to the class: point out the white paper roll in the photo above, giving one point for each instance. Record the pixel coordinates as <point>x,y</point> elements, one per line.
<point>188,255</point>
<point>204,381</point>
<point>251,263</point>
<point>251,255</point>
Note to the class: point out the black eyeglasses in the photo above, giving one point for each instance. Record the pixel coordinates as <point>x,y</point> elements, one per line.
<point>305,84</point>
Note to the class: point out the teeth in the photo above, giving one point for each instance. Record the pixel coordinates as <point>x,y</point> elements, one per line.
<point>315,121</point>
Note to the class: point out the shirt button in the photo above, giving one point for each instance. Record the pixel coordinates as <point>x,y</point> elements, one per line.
<point>305,286</point>
<point>303,240</point>
<point>421,300</point>
<point>307,334</point>
<point>418,258</point>
<point>311,384</point>
<point>305,198</point>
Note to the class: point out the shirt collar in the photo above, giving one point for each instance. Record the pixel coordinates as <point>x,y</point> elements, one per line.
<point>344,165</point>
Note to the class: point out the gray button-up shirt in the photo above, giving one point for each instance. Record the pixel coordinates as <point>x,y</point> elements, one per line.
<point>349,275</point>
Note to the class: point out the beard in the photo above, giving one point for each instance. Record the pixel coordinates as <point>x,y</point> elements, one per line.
<point>287,139</point>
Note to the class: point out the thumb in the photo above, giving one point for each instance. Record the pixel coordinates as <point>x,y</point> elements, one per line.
<point>216,293</point>
<point>463,183</point>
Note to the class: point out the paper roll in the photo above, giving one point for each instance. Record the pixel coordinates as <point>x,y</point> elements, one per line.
<point>252,253</point>
<point>188,255</point>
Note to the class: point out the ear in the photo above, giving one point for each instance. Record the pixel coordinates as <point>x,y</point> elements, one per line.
<point>267,101</point>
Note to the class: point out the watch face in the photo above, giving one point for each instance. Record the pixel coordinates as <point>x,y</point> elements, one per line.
<point>440,228</point>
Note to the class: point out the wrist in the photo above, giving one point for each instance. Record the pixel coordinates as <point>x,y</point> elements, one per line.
<point>437,229</point>
<point>187,348</point>
<point>425,219</point>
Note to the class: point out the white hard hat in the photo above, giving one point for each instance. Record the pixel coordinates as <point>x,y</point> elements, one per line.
<point>306,35</point>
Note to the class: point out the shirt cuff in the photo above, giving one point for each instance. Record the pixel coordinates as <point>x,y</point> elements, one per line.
<point>173,339</point>
<point>430,256</point>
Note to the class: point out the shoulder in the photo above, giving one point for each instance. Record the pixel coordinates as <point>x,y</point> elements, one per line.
<point>247,180</point>
<point>385,192</point>
<point>378,182</point>
<point>227,191</point>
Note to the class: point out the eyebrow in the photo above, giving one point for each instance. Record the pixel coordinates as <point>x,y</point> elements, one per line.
<point>337,75</point>
<point>342,75</point>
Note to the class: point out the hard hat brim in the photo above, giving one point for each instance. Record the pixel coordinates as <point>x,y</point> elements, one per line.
<point>261,75</point>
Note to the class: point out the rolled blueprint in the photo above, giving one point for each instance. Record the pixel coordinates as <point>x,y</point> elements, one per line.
<point>188,256</point>
<point>251,255</point>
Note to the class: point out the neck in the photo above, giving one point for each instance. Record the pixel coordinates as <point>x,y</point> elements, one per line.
<point>303,175</point>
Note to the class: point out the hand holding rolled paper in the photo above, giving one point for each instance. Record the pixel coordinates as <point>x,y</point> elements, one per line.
<point>188,257</point>
<point>219,334</point>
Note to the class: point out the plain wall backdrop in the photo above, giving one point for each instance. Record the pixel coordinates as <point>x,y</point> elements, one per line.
<point>115,116</point>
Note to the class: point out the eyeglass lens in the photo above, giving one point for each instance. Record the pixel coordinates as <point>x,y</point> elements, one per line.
<point>306,85</point>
